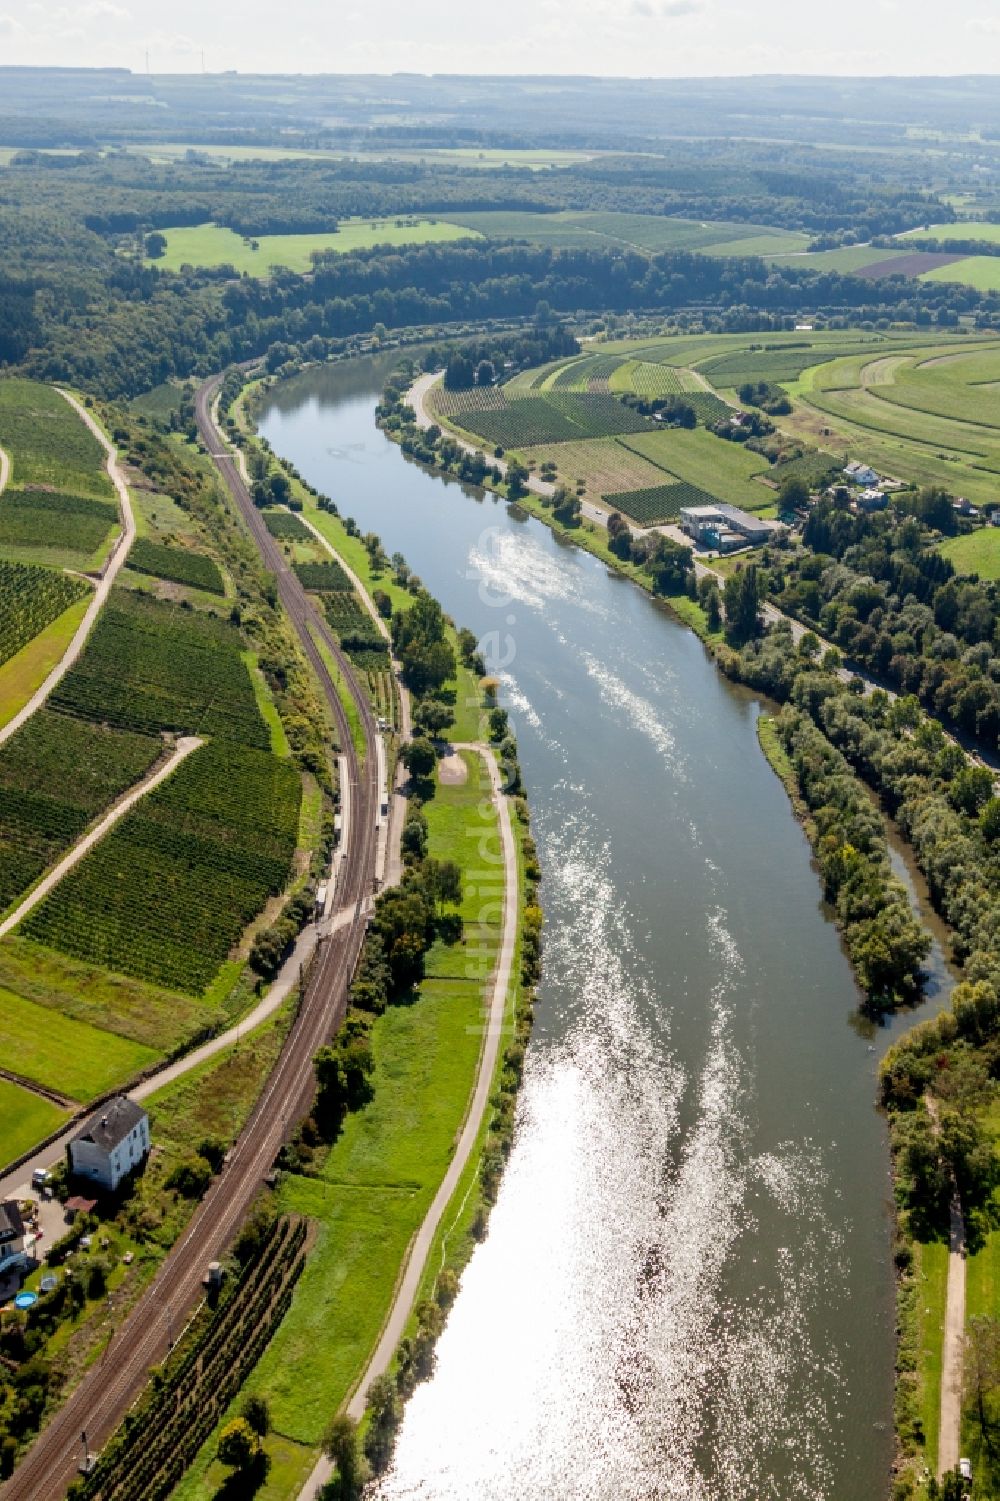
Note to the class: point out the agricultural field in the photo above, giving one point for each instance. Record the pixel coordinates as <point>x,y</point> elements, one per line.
<point>645,232</point>
<point>168,893</point>
<point>325,577</point>
<point>604,464</point>
<point>214,245</point>
<point>928,413</point>
<point>658,504</point>
<point>962,229</point>
<point>178,565</point>
<point>445,403</point>
<point>56,775</point>
<point>69,1056</point>
<point>24,1119</point>
<point>977,552</point>
<point>979,271</point>
<point>25,672</point>
<point>151,666</point>
<point>552,418</point>
<point>286,526</point>
<point>723,471</point>
<point>645,378</point>
<point>31,599</point>
<point>47,443</point>
<point>48,523</point>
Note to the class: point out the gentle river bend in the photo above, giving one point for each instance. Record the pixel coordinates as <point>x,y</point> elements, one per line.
<point>686,1290</point>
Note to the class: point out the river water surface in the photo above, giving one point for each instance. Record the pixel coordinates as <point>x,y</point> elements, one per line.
<point>685,1290</point>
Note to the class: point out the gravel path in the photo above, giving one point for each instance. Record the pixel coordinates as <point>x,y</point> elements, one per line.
<point>416,1260</point>
<point>119,553</point>
<point>953,1352</point>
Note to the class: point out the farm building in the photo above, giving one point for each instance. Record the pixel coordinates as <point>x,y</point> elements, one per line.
<point>964,507</point>
<point>860,474</point>
<point>12,1251</point>
<point>724,527</point>
<point>111,1145</point>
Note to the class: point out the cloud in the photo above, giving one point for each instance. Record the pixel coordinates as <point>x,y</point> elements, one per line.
<point>988,25</point>
<point>665,10</point>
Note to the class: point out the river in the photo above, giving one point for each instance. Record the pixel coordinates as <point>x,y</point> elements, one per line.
<point>685,1290</point>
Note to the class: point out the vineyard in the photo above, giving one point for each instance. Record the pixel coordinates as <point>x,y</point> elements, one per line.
<point>323,578</point>
<point>646,379</point>
<point>604,464</point>
<point>445,403</point>
<point>582,374</point>
<point>47,442</point>
<point>659,504</point>
<point>286,526</point>
<point>552,418</point>
<point>30,599</point>
<point>46,518</point>
<point>176,564</point>
<point>152,666</point>
<point>56,775</point>
<point>815,468</point>
<point>167,894</point>
<point>149,1454</point>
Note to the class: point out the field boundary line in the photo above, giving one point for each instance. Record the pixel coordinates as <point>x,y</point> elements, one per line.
<point>116,813</point>
<point>415,1259</point>
<point>109,573</point>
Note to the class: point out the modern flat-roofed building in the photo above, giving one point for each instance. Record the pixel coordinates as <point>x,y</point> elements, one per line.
<point>111,1145</point>
<point>724,527</point>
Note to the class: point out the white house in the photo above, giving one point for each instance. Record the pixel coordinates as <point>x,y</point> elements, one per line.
<point>860,474</point>
<point>12,1252</point>
<point>111,1144</point>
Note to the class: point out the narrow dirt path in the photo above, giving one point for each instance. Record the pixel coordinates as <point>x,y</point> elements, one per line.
<point>183,748</point>
<point>420,1246</point>
<point>4,471</point>
<point>116,559</point>
<point>953,1351</point>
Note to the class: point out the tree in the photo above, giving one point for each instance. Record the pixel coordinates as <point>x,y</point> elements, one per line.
<point>280,487</point>
<point>742,601</point>
<point>989,820</point>
<point>341,1445</point>
<point>257,1413</point>
<point>383,1419</point>
<point>190,1177</point>
<point>517,480</point>
<point>982,1363</point>
<point>418,756</point>
<point>567,507</point>
<point>239,1446</point>
<point>433,716</point>
<point>793,495</point>
<point>155,245</point>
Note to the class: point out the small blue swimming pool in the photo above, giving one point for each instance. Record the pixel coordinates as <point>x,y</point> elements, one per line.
<point>25,1300</point>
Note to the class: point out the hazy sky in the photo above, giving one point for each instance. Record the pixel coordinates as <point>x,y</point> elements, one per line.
<point>664,38</point>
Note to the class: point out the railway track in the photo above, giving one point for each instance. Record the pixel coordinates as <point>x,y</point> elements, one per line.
<point>108,1390</point>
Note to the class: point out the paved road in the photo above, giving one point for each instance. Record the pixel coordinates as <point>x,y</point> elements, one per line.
<point>493,1019</point>
<point>953,1349</point>
<point>119,553</point>
<point>181,751</point>
<point>104,1395</point>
